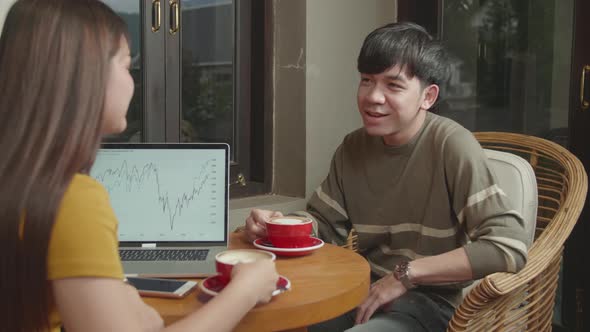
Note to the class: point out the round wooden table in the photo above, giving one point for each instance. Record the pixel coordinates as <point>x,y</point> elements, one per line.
<point>324,285</point>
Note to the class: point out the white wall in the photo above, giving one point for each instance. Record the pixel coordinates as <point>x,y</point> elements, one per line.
<point>4,7</point>
<point>335,32</point>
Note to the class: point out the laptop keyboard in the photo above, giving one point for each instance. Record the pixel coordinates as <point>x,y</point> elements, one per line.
<point>163,254</point>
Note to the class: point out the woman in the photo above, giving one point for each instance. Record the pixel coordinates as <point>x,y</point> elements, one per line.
<point>64,83</point>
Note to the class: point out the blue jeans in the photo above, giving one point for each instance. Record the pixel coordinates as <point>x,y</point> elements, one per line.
<point>412,312</point>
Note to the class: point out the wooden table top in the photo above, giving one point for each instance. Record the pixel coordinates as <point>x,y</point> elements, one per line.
<point>324,285</point>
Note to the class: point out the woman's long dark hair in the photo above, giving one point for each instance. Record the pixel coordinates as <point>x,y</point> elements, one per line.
<point>54,58</point>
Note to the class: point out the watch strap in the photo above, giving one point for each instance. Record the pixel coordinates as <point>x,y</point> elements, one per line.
<point>402,273</point>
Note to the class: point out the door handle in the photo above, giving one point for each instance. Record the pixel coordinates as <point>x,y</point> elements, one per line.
<point>174,17</point>
<point>240,180</point>
<point>583,101</point>
<point>156,15</point>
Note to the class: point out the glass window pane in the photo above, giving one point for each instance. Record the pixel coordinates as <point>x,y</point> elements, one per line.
<point>130,11</point>
<point>207,71</point>
<point>512,66</point>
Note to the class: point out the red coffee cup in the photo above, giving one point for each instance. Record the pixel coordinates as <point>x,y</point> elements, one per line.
<point>225,260</point>
<point>289,232</point>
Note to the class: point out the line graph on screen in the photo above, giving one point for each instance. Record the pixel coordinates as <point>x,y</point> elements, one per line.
<point>142,182</point>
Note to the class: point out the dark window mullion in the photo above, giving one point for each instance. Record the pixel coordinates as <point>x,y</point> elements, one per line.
<point>242,88</point>
<point>173,72</point>
<point>154,75</point>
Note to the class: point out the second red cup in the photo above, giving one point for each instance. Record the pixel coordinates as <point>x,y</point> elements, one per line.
<point>225,260</point>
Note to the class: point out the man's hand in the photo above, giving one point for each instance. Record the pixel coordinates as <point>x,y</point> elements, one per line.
<point>382,293</point>
<point>256,223</point>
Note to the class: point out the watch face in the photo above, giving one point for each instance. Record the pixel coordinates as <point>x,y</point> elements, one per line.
<point>398,272</point>
<point>402,268</point>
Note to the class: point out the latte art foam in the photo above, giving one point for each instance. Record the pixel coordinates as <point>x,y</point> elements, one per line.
<point>289,221</point>
<point>235,257</point>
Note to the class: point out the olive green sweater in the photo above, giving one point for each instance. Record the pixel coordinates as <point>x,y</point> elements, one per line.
<point>427,197</point>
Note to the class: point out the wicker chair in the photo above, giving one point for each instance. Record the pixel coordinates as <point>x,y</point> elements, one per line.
<point>524,301</point>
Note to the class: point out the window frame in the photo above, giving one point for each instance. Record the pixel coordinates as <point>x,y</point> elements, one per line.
<point>162,76</point>
<point>268,147</point>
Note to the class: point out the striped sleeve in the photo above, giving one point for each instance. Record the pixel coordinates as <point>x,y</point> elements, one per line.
<point>497,241</point>
<point>327,207</point>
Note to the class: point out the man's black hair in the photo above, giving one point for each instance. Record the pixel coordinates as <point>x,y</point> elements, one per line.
<point>411,47</point>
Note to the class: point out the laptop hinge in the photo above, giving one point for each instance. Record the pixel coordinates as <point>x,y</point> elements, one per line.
<point>148,245</point>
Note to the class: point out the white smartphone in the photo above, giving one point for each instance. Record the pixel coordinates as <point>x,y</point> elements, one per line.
<point>161,287</point>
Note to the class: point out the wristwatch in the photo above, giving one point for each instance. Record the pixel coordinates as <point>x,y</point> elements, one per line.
<point>401,272</point>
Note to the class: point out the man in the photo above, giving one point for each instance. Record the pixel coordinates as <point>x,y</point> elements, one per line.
<point>417,189</point>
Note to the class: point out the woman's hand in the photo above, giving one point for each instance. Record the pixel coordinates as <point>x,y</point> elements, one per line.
<point>258,278</point>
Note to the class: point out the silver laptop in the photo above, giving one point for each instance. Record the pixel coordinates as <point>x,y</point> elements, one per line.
<point>171,200</point>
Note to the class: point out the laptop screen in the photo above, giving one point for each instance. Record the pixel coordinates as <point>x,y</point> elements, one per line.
<point>166,192</point>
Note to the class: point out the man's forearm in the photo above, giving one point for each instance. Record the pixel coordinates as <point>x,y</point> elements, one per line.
<point>452,266</point>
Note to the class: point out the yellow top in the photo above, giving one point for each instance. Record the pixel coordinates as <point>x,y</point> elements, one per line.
<point>84,238</point>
